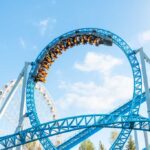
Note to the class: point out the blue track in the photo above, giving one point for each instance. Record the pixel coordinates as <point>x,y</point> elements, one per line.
<point>125,117</point>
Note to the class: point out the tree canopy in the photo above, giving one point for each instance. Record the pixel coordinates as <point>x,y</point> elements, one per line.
<point>130,145</point>
<point>86,145</point>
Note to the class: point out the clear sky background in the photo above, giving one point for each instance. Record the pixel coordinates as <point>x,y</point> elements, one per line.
<point>85,79</point>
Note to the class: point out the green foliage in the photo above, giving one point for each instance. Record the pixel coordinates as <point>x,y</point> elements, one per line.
<point>86,145</point>
<point>33,146</point>
<point>101,146</point>
<point>113,136</point>
<point>130,145</point>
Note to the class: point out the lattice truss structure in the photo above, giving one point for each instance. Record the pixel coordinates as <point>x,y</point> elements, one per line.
<point>126,117</point>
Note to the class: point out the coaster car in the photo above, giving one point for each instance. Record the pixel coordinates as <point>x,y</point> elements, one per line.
<point>58,51</point>
<point>69,42</point>
<point>91,39</point>
<point>64,45</point>
<point>52,54</point>
<point>84,39</point>
<point>108,41</point>
<point>45,65</point>
<point>77,39</point>
<point>42,72</point>
<point>48,59</point>
<point>98,41</point>
<point>39,79</point>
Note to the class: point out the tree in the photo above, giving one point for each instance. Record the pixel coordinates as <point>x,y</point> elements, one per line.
<point>101,146</point>
<point>130,145</point>
<point>33,146</point>
<point>86,145</point>
<point>113,136</point>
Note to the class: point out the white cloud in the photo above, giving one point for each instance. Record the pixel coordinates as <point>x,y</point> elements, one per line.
<point>22,42</point>
<point>144,37</point>
<point>46,24</point>
<point>43,24</point>
<point>98,62</point>
<point>93,96</point>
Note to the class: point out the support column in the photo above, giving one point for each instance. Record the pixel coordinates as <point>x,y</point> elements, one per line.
<point>136,140</point>
<point>10,95</point>
<point>23,100</point>
<point>145,80</point>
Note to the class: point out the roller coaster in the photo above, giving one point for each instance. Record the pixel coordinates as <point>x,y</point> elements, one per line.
<point>126,117</point>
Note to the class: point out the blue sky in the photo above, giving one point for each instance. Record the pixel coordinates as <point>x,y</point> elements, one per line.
<point>26,27</point>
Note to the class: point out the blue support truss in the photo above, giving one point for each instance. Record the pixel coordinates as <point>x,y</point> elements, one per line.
<point>129,53</point>
<point>71,124</point>
<point>88,132</point>
<point>125,117</point>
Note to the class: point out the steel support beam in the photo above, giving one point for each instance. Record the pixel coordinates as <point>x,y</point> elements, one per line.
<point>23,101</point>
<point>145,80</point>
<point>71,124</point>
<point>136,140</point>
<point>10,95</point>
